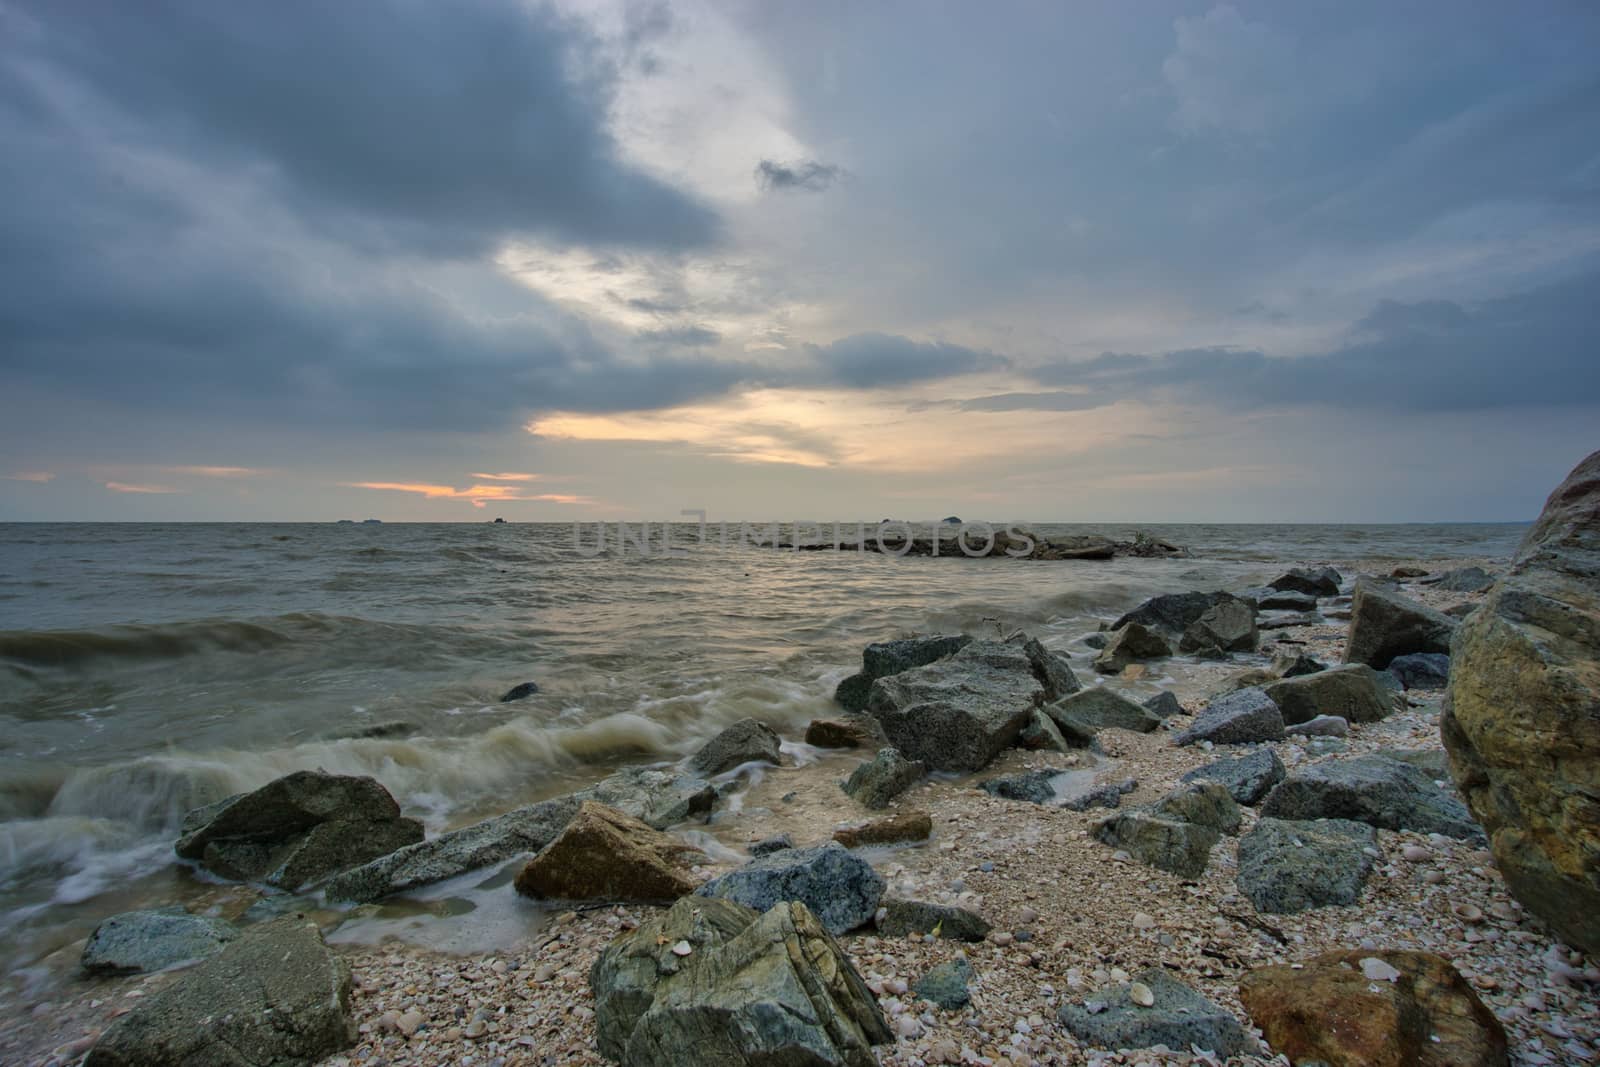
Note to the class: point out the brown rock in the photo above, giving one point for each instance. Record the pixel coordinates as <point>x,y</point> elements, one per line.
<point>1330,1011</point>
<point>606,855</point>
<point>906,826</point>
<point>854,732</point>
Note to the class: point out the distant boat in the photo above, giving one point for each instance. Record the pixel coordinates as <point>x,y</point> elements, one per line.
<point>347,522</point>
<point>499,520</point>
<point>952,520</point>
<point>370,522</point>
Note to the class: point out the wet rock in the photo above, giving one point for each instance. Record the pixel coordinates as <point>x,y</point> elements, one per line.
<point>1206,804</point>
<point>900,917</point>
<point>1285,600</point>
<point>840,888</point>
<point>883,658</point>
<point>1100,708</point>
<point>856,731</point>
<point>892,830</point>
<point>746,741</point>
<point>1465,580</point>
<point>1164,705</point>
<point>1289,866</point>
<point>1172,613</point>
<point>1376,790</point>
<point>604,855</point>
<point>885,776</point>
<point>1422,670</point>
<point>1242,717</point>
<point>1132,643</point>
<point>275,995</point>
<point>1318,581</point>
<point>297,830</point>
<point>946,985</point>
<point>754,988</point>
<point>1247,778</point>
<point>521,691</point>
<point>768,845</point>
<point>1095,641</point>
<point>1183,848</point>
<point>1520,717</point>
<point>144,941</point>
<point>1177,1017</point>
<point>1041,734</point>
<point>660,798</point>
<point>1033,787</point>
<point>1351,692</point>
<point>518,832</point>
<point>1327,1010</point>
<point>1385,624</point>
<point>1322,726</point>
<point>376,731</point>
<point>1292,663</point>
<point>1230,626</point>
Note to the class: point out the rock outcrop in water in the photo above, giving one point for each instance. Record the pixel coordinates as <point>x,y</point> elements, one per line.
<point>746,741</point>
<point>883,658</point>
<point>1522,713</point>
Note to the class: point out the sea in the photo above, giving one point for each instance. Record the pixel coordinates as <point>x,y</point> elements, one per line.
<point>146,669</point>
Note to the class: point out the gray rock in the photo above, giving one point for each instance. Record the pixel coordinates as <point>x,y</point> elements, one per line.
<point>1384,624</point>
<point>1104,795</point>
<point>1033,787</point>
<point>768,845</point>
<point>297,830</point>
<point>946,985</point>
<point>1241,717</point>
<point>1289,866</point>
<point>841,889</point>
<point>1179,1018</point>
<point>1292,663</point>
<point>1095,641</point>
<point>657,797</point>
<point>1422,670</point>
<point>1466,580</point>
<point>1288,620</point>
<point>143,941</point>
<point>1229,626</point>
<point>901,917</point>
<point>520,691</point>
<point>518,832</point>
<point>746,741</point>
<point>1376,790</point>
<point>1040,733</point>
<point>1285,600</point>
<point>1322,726</point>
<point>1131,643</point>
<point>885,776</point>
<point>1101,708</point>
<point>1247,778</point>
<point>883,658</point>
<point>1317,747</point>
<point>772,989</point>
<point>1164,705</point>
<point>1173,612</point>
<point>1203,804</point>
<point>1319,581</point>
<point>1431,761</point>
<point>1183,848</point>
<point>1052,669</point>
<point>1353,692</point>
<point>274,996</point>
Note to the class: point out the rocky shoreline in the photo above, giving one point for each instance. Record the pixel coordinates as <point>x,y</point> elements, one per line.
<point>1226,817</point>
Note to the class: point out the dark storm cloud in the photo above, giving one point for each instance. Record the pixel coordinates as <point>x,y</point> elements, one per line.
<point>806,176</point>
<point>876,360</point>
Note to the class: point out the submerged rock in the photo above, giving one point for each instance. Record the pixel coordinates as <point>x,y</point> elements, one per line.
<point>1247,778</point>
<point>1288,866</point>
<point>746,741</point>
<point>883,658</point>
<point>1177,1017</point>
<point>899,917</point>
<point>1352,692</point>
<point>770,988</point>
<point>1241,717</point>
<point>839,887</point>
<point>1376,790</point>
<point>882,778</point>
<point>1385,624</point>
<point>1131,643</point>
<point>1183,848</point>
<point>143,941</point>
<point>604,855</point>
<point>520,691</point>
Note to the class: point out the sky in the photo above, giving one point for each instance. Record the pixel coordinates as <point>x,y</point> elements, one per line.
<point>1321,262</point>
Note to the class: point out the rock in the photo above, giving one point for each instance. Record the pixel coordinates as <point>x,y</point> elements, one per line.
<point>857,731</point>
<point>1164,705</point>
<point>893,830</point>
<point>885,776</point>
<point>604,855</point>
<point>660,798</point>
<point>1431,761</point>
<point>1100,708</point>
<point>1254,678</point>
<point>297,830</point>
<point>1095,641</point>
<point>1522,714</point>
<point>1173,612</point>
<point>1033,787</point>
<point>1203,804</point>
<point>521,691</point>
<point>899,917</point>
<point>143,941</point>
<point>1040,733</point>
<point>1384,624</point>
<point>1292,663</point>
<point>1048,722</point>
<point>1406,572</point>
<point>1422,670</point>
<point>1285,600</point>
<point>946,985</point>
<point>1289,866</point>
<point>275,995</point>
<point>883,658</point>
<point>1173,845</point>
<point>768,845</point>
<point>1131,643</point>
<point>1376,790</point>
<point>1460,611</point>
<point>840,888</point>
<point>746,741</point>
<point>1319,581</point>
<point>1327,1010</point>
<point>1228,627</point>
<point>1052,669</point>
<point>1241,717</point>
<point>1247,778</point>
<point>770,988</point>
<point>961,712</point>
<point>1317,747</point>
<point>1351,692</point>
<point>1465,580</point>
<point>517,832</point>
<point>1177,1017</point>
<point>1105,795</point>
<point>1287,620</point>
<point>375,731</point>
<point>1322,726</point>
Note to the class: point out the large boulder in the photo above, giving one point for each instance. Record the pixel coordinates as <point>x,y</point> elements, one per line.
<point>1288,866</point>
<point>1183,848</point>
<point>275,997</point>
<point>604,855</point>
<point>297,830</point>
<point>746,741</point>
<point>839,887</point>
<point>1242,717</point>
<point>1131,643</point>
<point>883,658</point>
<point>1361,1008</point>
<point>1522,713</point>
<point>1351,692</point>
<point>1313,581</point>
<point>1175,1016</point>
<point>142,941</point>
<point>1100,708</point>
<point>518,832</point>
<point>1229,626</point>
<point>716,983</point>
<point>1384,624</point>
<point>1173,612</point>
<point>885,776</point>
<point>1247,778</point>
<point>1376,790</point>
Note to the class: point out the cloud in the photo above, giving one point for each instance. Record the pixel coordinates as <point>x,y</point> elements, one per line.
<point>37,477</point>
<point>1058,400</point>
<point>476,495</point>
<point>512,476</point>
<point>803,176</point>
<point>125,487</point>
<point>685,336</point>
<point>1229,74</point>
<point>878,360</point>
<point>215,472</point>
